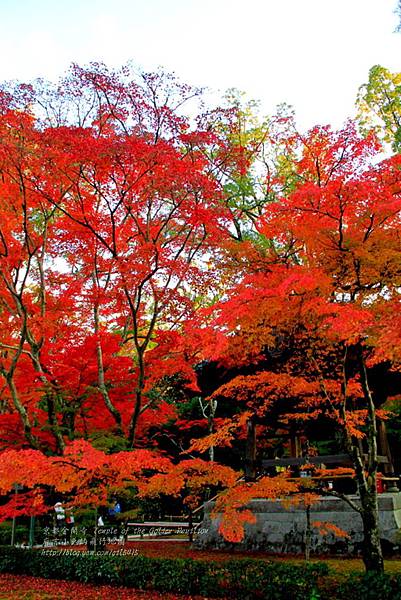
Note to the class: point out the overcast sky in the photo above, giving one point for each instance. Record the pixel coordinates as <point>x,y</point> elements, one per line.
<point>313,54</point>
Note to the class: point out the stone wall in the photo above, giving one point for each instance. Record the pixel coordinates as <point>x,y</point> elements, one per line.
<point>281,529</point>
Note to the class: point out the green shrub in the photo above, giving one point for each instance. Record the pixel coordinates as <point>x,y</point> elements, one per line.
<point>371,586</point>
<point>21,532</point>
<point>243,578</point>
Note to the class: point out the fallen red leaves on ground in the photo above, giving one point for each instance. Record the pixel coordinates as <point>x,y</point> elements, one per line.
<point>162,549</point>
<point>19,587</point>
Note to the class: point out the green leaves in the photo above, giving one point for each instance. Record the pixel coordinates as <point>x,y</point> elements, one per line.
<point>379,105</point>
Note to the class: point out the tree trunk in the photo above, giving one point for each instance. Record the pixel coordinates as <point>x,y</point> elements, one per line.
<point>372,551</point>
<point>101,379</point>
<point>53,421</point>
<point>365,472</point>
<point>372,555</point>
<point>33,442</point>
<point>134,418</point>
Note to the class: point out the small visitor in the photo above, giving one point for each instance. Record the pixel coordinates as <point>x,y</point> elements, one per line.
<point>60,514</point>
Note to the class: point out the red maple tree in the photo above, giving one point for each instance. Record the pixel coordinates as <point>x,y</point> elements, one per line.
<point>316,309</point>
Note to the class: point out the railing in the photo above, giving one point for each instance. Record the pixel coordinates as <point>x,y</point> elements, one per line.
<point>328,459</point>
<point>156,530</point>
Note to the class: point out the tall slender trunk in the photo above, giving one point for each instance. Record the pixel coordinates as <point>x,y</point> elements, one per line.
<point>209,415</point>
<point>210,423</point>
<point>138,399</point>
<point>53,421</point>
<point>51,390</point>
<point>26,423</point>
<point>140,348</point>
<point>134,418</point>
<point>372,551</point>
<point>372,554</point>
<point>115,413</point>
<point>365,473</point>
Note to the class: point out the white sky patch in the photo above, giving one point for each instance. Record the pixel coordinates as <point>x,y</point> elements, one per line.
<point>313,54</point>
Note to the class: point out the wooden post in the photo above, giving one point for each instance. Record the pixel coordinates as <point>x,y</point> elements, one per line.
<point>190,527</point>
<point>95,532</point>
<point>250,450</point>
<point>295,445</point>
<point>308,533</point>
<point>17,487</point>
<point>13,532</point>
<point>384,449</point>
<point>31,532</point>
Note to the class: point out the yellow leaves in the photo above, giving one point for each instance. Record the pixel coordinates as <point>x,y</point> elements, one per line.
<point>379,104</point>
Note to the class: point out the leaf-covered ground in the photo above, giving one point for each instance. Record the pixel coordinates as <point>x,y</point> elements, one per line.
<point>162,549</point>
<point>23,587</point>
